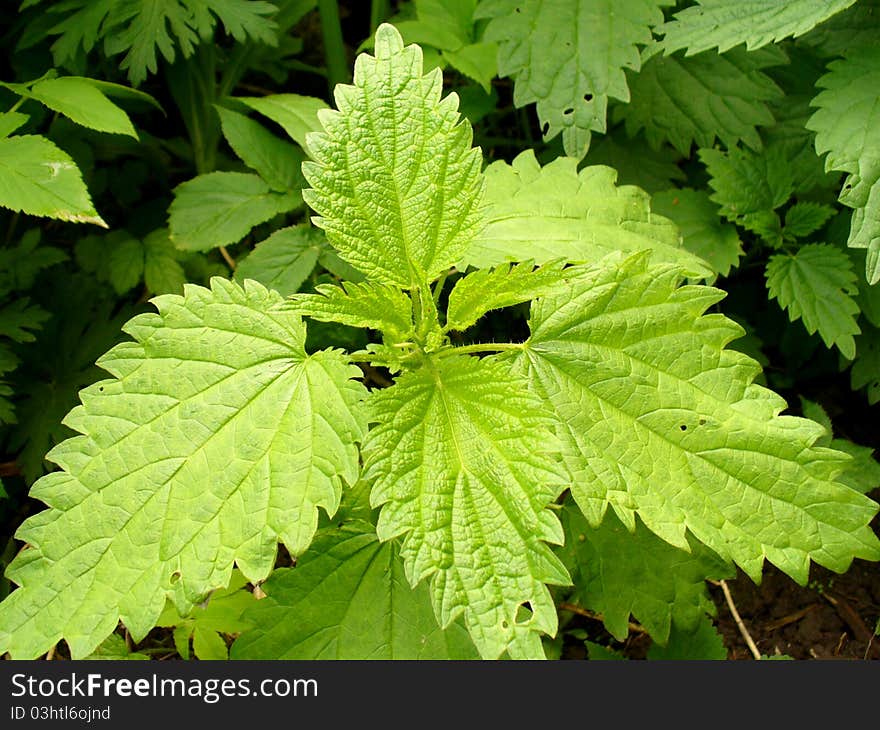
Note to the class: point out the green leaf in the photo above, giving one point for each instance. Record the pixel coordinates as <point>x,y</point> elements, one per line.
<point>444,24</point>
<point>619,573</point>
<point>791,139</point>
<point>598,652</point>
<point>114,648</point>
<point>569,72</point>
<point>804,218</point>
<point>10,121</point>
<point>858,25</point>
<point>218,379</point>
<point>276,161</point>
<point>84,103</point>
<point>126,261</point>
<point>686,100</point>
<point>163,273</point>
<point>284,260</point>
<point>348,598</point>
<point>486,289</point>
<point>543,214</point>
<point>702,643</point>
<point>476,61</point>
<point>222,614</point>
<point>38,178</point>
<point>865,371</point>
<point>847,126</point>
<point>140,28</point>
<point>376,306</point>
<point>687,443</point>
<point>245,20</point>
<point>863,472</point>
<point>221,208</point>
<point>396,183</point>
<point>19,319</point>
<point>817,283</point>
<point>297,115</point>
<point>749,187</point>
<point>701,226</point>
<point>209,645</point>
<point>20,264</point>
<point>462,466</point>
<point>727,23</point>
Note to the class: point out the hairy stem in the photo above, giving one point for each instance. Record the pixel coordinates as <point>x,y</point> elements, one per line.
<point>482,347</point>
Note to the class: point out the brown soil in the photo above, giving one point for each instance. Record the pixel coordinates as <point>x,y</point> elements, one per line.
<point>832,617</point>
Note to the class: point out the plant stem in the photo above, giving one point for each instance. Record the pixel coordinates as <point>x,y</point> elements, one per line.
<point>227,258</point>
<point>334,48</point>
<point>482,347</point>
<point>438,287</point>
<point>17,104</point>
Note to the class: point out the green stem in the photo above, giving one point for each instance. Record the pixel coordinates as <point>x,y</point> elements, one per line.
<point>379,11</point>
<point>482,347</point>
<point>17,104</point>
<point>369,357</point>
<point>334,48</point>
<point>438,287</point>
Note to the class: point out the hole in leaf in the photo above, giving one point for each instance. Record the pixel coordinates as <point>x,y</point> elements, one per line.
<point>568,111</point>
<point>588,97</point>
<point>524,613</point>
<point>683,427</point>
<point>101,389</point>
<point>702,421</point>
<point>505,625</point>
<point>545,128</point>
<point>175,576</point>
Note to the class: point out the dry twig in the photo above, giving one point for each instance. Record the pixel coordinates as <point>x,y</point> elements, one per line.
<point>739,622</point>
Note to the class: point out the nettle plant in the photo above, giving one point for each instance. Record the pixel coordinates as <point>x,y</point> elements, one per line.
<point>483,476</point>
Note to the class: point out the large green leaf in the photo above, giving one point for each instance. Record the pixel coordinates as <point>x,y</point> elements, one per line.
<point>619,573</point>
<point>348,598</point>
<point>462,465</point>
<point>38,178</point>
<point>816,283</point>
<point>658,419</point>
<point>569,56</point>
<point>847,126</point>
<point>216,437</point>
<point>544,214</point>
<point>396,183</point>
<point>727,23</point>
